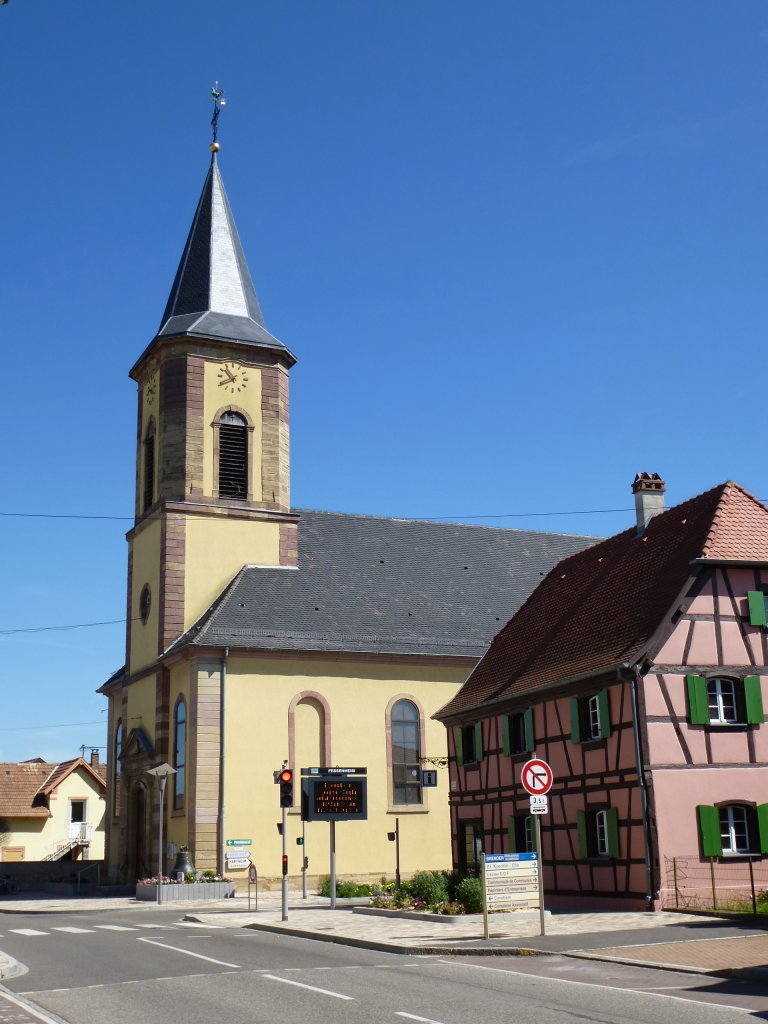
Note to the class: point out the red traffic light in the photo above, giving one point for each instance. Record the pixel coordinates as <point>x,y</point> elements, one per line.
<point>286,775</point>
<point>285,864</point>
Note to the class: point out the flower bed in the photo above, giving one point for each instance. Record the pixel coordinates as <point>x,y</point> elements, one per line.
<point>211,887</point>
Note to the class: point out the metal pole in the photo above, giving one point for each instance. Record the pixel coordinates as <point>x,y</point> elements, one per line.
<point>397,853</point>
<point>161,780</point>
<point>542,919</point>
<point>284,886</point>
<point>752,883</point>
<point>486,933</point>
<point>303,861</point>
<point>333,865</point>
<point>714,887</point>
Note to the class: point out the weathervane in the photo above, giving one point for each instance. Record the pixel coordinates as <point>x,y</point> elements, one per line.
<point>218,103</point>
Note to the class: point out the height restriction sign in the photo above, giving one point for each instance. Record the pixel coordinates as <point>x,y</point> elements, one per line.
<point>536,777</point>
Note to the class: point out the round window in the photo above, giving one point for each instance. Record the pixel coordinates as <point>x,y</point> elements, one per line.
<point>145,602</point>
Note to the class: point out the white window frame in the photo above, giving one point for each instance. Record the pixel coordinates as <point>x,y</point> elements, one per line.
<point>730,829</point>
<point>593,717</point>
<point>601,833</point>
<point>720,693</point>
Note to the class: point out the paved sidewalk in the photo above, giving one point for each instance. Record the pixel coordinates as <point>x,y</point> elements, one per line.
<point>694,943</point>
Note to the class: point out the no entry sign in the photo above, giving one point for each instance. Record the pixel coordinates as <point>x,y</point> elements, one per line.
<point>536,777</point>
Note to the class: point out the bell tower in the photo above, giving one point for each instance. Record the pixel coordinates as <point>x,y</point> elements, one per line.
<point>212,441</point>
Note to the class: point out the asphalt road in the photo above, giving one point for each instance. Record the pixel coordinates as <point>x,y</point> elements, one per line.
<point>151,966</point>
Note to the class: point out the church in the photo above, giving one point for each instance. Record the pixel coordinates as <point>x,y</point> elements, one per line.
<point>259,634</point>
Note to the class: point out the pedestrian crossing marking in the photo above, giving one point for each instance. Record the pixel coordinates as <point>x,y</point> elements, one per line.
<point>116,927</point>
<point>170,927</point>
<point>26,931</point>
<point>73,930</point>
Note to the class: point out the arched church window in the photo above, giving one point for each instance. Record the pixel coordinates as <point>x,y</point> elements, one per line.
<point>406,752</point>
<point>233,456</point>
<point>117,769</point>
<point>179,753</point>
<point>149,466</point>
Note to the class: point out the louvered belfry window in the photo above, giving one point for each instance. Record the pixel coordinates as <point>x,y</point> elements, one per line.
<point>149,467</point>
<point>233,456</point>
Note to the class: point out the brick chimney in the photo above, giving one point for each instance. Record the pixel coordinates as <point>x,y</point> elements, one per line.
<point>648,489</point>
<point>95,758</point>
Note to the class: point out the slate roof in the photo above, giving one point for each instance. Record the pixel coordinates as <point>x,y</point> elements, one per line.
<point>600,608</point>
<point>213,294</point>
<point>394,586</point>
<point>25,786</point>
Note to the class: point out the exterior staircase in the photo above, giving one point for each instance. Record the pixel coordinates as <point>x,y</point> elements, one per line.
<point>80,834</point>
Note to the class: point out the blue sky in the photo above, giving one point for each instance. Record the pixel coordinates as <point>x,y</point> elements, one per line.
<point>519,249</point>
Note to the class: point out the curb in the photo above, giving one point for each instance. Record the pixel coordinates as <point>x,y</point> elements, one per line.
<point>10,968</point>
<point>750,973</point>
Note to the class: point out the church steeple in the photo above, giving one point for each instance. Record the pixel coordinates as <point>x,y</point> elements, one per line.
<point>213,294</point>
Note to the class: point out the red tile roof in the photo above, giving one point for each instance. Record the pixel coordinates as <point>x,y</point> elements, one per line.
<point>24,787</point>
<point>19,788</point>
<point>599,608</point>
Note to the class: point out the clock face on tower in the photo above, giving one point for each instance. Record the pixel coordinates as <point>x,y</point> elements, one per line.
<point>151,389</point>
<point>232,377</point>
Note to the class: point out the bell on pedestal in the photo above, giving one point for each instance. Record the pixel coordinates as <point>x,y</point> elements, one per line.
<point>183,863</point>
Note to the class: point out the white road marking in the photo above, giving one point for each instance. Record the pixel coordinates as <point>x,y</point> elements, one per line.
<point>30,1009</point>
<point>312,988</point>
<point>115,928</point>
<point>188,952</point>
<point>169,927</point>
<point>73,930</point>
<point>197,924</point>
<point>412,1016</point>
<point>26,931</point>
<point>592,984</point>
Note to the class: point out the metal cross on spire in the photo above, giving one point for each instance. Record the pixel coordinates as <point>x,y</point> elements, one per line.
<point>217,94</point>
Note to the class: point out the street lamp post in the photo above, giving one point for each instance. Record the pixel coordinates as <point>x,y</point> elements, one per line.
<point>161,773</point>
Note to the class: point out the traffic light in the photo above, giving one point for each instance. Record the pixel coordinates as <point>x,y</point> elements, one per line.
<point>286,788</point>
<point>285,864</point>
<point>300,840</point>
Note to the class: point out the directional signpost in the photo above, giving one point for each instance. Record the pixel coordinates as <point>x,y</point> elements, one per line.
<point>536,777</point>
<point>510,882</point>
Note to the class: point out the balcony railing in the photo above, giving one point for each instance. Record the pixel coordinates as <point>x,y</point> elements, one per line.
<point>80,831</point>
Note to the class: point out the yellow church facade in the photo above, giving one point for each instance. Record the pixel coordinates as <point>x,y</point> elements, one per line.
<point>259,634</point>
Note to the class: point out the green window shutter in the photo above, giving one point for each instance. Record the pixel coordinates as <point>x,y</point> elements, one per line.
<point>604,703</point>
<point>575,720</point>
<point>511,835</point>
<point>457,742</point>
<point>612,826</point>
<point>505,735</point>
<point>753,699</point>
<point>478,741</point>
<point>756,604</point>
<point>581,829</point>
<point>709,827</point>
<point>698,706</point>
<point>530,740</point>
<point>762,826</point>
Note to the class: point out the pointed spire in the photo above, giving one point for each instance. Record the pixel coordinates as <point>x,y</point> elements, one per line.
<point>213,294</point>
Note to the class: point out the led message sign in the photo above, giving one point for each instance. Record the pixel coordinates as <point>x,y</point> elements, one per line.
<point>334,799</point>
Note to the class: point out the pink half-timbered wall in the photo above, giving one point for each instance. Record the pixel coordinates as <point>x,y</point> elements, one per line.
<point>587,776</point>
<point>703,764</point>
<point>685,765</point>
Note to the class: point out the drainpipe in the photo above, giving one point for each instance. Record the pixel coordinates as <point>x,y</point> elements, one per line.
<point>643,789</point>
<point>222,722</point>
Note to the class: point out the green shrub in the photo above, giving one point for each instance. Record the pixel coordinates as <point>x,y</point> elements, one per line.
<point>470,892</point>
<point>344,890</point>
<point>209,874</point>
<point>428,887</point>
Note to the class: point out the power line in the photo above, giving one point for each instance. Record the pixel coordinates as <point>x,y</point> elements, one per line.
<point>47,629</point>
<point>427,519</point>
<point>33,728</point>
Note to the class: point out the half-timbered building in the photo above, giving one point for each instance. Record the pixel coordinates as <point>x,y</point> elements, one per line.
<point>637,669</point>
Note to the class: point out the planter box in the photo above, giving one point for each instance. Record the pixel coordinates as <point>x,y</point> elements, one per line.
<point>185,892</point>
